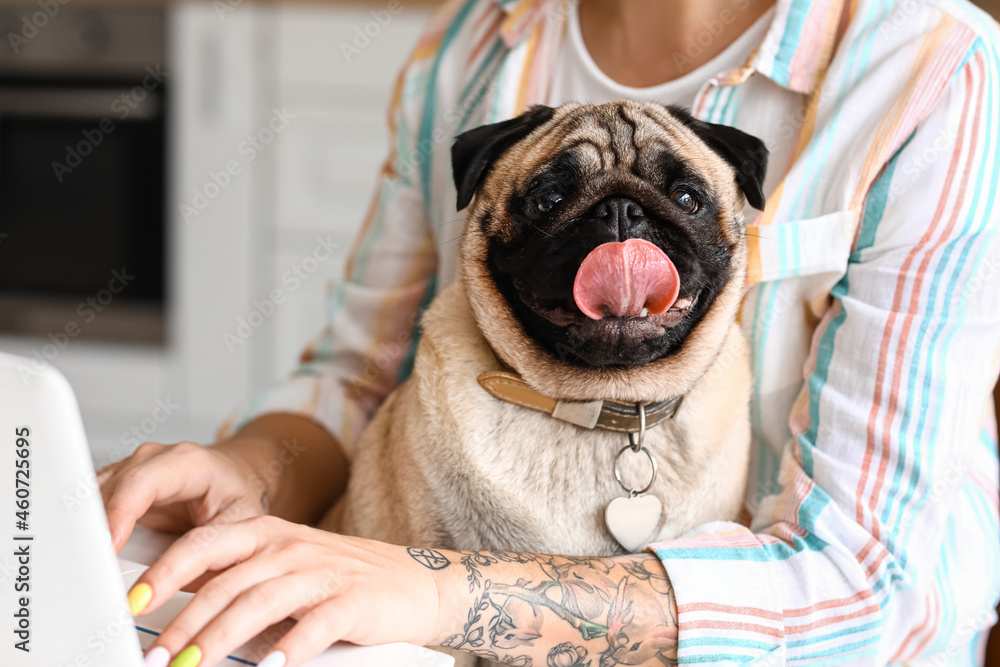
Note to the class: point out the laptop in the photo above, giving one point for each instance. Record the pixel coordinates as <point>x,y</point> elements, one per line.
<point>62,588</point>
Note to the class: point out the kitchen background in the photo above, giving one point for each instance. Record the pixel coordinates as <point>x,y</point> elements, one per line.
<point>164,171</point>
<point>179,185</point>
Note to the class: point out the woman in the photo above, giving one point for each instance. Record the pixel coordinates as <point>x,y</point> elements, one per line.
<point>872,529</point>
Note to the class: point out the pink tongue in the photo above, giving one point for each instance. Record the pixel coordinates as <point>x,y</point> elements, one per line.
<point>624,278</point>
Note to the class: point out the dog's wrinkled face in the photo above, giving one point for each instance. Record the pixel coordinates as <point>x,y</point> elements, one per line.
<point>610,232</point>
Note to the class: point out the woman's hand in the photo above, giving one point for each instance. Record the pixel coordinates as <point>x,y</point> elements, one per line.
<point>515,608</point>
<point>337,587</point>
<point>174,488</point>
<point>281,464</point>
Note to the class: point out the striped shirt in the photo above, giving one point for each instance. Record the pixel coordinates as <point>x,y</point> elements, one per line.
<point>872,308</point>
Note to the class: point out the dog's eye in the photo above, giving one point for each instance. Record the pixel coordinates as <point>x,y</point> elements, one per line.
<point>546,202</point>
<point>685,200</point>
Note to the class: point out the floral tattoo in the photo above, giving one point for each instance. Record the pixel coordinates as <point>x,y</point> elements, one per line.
<point>618,611</point>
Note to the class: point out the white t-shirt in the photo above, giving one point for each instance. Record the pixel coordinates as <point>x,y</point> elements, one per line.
<point>579,79</point>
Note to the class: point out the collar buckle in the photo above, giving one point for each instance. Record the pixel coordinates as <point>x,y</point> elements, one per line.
<point>631,418</point>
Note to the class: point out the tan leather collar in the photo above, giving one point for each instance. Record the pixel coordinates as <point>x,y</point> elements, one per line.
<point>608,415</point>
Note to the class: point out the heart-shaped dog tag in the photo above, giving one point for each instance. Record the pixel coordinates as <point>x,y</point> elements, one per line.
<point>633,520</point>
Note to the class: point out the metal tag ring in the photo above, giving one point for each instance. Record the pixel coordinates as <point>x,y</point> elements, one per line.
<point>618,474</point>
<point>636,442</point>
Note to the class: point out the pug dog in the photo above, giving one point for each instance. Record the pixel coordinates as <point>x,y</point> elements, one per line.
<point>590,334</point>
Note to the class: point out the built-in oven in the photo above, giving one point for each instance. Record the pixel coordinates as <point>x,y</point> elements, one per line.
<point>82,172</point>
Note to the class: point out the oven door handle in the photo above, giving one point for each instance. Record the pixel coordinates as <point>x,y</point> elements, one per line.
<point>114,104</point>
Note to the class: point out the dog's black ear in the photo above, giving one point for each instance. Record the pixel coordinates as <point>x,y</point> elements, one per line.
<point>746,153</point>
<point>475,151</point>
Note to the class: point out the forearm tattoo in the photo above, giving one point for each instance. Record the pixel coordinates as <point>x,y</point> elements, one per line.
<point>588,612</point>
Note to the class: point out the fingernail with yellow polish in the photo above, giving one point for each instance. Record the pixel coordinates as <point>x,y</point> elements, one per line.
<point>139,597</point>
<point>189,657</point>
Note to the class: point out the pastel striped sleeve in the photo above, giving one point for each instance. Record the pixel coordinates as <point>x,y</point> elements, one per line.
<point>368,341</point>
<point>889,483</point>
